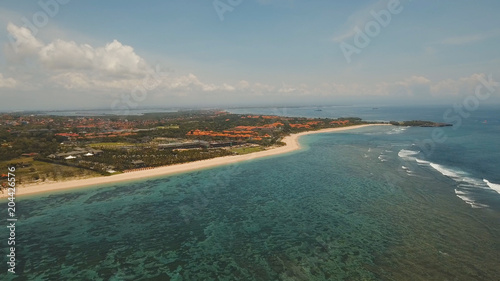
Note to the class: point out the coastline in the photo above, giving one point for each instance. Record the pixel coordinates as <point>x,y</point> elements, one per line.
<point>291,141</point>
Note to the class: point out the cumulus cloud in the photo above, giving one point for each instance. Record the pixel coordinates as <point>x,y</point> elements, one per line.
<point>7,82</point>
<point>191,82</point>
<point>114,66</point>
<point>65,55</point>
<point>84,81</point>
<point>22,43</point>
<point>113,59</point>
<point>73,65</point>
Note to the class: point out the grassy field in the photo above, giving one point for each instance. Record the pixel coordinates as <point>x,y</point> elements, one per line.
<point>111,145</point>
<point>246,150</point>
<point>168,127</point>
<point>31,171</point>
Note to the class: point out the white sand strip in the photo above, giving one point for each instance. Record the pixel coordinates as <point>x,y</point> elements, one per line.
<point>291,141</point>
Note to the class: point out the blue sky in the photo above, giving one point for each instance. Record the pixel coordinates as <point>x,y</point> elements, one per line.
<point>97,54</point>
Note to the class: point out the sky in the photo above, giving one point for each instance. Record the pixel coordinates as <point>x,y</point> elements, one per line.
<point>117,55</point>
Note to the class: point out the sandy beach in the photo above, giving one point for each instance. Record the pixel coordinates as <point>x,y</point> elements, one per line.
<point>291,141</point>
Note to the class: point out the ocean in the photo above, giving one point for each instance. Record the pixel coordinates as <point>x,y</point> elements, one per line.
<point>377,203</point>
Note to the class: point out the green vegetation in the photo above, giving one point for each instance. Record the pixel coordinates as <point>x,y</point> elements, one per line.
<point>29,170</point>
<point>111,145</point>
<point>168,127</point>
<point>419,123</point>
<point>134,159</point>
<point>62,147</point>
<point>246,150</point>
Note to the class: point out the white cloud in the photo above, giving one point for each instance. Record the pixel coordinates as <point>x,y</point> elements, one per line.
<point>67,55</point>
<point>7,82</point>
<point>113,59</point>
<point>412,87</point>
<point>260,88</point>
<point>461,86</point>
<point>190,82</point>
<point>85,81</point>
<point>22,43</point>
<point>114,66</point>
<point>422,86</point>
<point>71,80</point>
<point>243,84</point>
<point>73,65</point>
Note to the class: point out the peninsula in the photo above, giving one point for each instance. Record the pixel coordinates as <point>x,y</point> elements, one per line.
<point>289,143</point>
<point>50,148</point>
<point>52,152</point>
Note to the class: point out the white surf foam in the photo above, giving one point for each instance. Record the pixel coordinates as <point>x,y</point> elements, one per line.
<point>473,182</point>
<point>407,154</point>
<point>446,171</point>
<point>463,178</point>
<point>408,171</point>
<point>472,203</point>
<point>479,205</point>
<point>466,184</point>
<point>494,186</point>
<point>422,161</point>
<point>397,130</point>
<point>463,195</point>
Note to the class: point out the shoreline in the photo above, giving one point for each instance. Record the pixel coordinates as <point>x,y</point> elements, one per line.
<point>291,141</point>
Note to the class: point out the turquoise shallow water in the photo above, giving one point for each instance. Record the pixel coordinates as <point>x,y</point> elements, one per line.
<point>343,208</point>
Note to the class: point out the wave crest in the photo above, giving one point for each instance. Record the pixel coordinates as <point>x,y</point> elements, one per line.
<point>494,186</point>
<point>407,154</point>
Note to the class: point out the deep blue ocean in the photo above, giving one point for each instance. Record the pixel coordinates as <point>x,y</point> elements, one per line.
<point>377,203</point>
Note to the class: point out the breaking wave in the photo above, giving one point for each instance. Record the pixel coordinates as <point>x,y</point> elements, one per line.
<point>494,186</point>
<point>397,130</point>
<point>466,185</point>
<point>407,154</point>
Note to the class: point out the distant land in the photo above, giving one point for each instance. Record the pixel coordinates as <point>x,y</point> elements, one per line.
<point>419,123</point>
<point>53,148</point>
